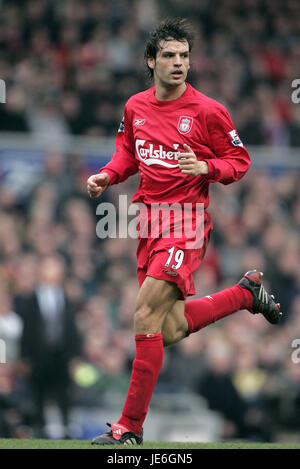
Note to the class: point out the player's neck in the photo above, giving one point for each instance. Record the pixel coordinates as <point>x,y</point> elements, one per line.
<point>168,93</point>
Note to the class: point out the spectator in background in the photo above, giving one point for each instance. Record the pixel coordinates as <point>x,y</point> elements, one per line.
<point>13,116</point>
<point>11,415</point>
<point>10,325</point>
<point>217,386</point>
<point>50,341</point>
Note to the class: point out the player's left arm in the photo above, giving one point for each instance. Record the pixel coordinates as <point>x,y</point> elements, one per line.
<point>232,160</point>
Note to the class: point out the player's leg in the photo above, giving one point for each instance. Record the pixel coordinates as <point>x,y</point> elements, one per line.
<point>155,300</point>
<point>193,315</point>
<point>175,326</point>
<point>189,317</point>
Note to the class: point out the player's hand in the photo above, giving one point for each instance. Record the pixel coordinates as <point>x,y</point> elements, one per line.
<point>189,164</point>
<point>97,183</point>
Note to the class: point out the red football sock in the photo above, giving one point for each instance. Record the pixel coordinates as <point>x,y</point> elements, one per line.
<point>145,371</point>
<point>211,308</point>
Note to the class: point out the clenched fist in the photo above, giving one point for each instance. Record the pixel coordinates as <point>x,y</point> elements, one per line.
<point>97,183</point>
<point>188,163</point>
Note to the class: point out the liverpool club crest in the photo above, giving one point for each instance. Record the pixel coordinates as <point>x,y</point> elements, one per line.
<point>185,124</point>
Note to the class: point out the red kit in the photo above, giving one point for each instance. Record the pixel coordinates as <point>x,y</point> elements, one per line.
<point>149,140</point>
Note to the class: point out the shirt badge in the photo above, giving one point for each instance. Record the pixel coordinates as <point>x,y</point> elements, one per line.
<point>185,124</point>
<point>236,141</point>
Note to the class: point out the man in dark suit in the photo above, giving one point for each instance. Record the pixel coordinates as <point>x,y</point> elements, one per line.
<point>50,340</point>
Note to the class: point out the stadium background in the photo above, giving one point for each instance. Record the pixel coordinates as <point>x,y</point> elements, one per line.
<point>69,68</point>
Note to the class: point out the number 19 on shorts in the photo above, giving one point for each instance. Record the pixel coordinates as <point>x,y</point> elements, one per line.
<point>175,257</point>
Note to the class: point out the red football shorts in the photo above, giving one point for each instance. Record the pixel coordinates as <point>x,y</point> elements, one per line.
<point>168,259</point>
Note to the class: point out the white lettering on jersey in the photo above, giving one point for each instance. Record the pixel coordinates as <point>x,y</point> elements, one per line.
<point>151,155</point>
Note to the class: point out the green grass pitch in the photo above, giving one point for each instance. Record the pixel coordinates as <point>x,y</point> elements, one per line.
<point>79,444</point>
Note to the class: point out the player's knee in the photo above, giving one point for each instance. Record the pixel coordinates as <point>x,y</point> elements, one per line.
<point>142,314</point>
<point>170,336</point>
<point>172,333</point>
<point>168,339</point>
<point>147,319</point>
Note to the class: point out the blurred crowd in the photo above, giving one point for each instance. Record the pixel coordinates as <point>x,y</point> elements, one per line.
<point>67,300</point>
<point>70,66</point>
<point>66,296</point>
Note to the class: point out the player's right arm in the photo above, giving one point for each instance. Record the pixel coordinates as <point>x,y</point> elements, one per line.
<point>97,183</point>
<point>122,164</point>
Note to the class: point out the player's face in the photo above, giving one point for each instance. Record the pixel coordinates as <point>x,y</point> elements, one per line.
<point>172,63</point>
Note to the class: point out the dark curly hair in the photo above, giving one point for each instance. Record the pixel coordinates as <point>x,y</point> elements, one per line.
<point>171,28</point>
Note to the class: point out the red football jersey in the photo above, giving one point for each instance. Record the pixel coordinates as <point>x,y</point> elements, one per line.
<point>152,135</point>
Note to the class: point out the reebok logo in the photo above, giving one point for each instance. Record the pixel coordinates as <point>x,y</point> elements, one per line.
<point>139,122</point>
